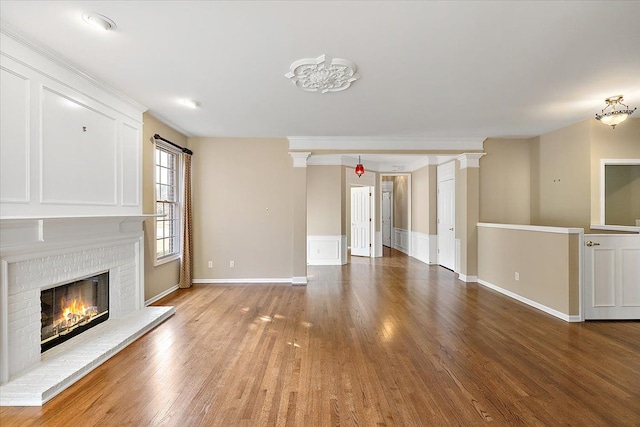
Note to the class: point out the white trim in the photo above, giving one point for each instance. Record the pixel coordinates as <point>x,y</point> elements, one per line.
<point>402,240</point>
<point>252,280</point>
<point>343,250</point>
<point>468,279</point>
<point>165,259</point>
<point>615,228</point>
<point>179,170</point>
<point>299,280</point>
<point>470,160</point>
<point>161,295</point>
<point>385,167</point>
<point>386,143</point>
<point>320,250</point>
<point>299,159</point>
<point>539,228</point>
<point>534,304</point>
<point>421,246</point>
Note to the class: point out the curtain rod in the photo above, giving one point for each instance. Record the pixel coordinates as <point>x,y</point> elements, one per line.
<point>184,150</point>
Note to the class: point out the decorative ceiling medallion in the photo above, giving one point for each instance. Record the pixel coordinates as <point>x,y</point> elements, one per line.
<point>323,74</point>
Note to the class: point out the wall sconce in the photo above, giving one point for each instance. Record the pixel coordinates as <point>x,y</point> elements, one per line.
<point>614,117</point>
<point>359,168</point>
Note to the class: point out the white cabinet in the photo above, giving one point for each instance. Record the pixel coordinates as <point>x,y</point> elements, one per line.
<point>69,145</point>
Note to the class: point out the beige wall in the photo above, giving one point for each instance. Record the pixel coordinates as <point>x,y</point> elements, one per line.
<point>243,207</point>
<point>505,178</point>
<point>547,264</point>
<point>424,201</point>
<point>467,213</point>
<point>156,279</point>
<point>401,202</point>
<point>563,177</point>
<point>325,195</point>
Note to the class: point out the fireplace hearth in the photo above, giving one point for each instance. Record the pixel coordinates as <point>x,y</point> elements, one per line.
<point>69,309</point>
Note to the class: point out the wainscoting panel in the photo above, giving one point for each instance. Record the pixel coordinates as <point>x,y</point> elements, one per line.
<point>401,240</point>
<point>79,152</point>
<point>424,247</point>
<point>326,250</point>
<point>14,140</point>
<point>130,178</point>
<point>69,145</point>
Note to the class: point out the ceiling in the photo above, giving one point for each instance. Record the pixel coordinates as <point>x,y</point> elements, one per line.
<point>428,69</point>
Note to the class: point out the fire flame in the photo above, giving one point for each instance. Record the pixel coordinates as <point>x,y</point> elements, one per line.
<point>74,312</point>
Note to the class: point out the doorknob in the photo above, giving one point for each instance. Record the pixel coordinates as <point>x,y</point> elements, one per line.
<point>451,229</point>
<point>590,243</point>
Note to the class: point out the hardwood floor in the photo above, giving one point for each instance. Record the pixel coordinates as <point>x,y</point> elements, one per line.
<point>381,342</point>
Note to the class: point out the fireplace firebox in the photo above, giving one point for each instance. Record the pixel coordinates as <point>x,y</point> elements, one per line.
<point>72,308</point>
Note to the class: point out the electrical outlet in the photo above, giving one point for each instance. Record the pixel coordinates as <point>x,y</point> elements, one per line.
<point>517,276</point>
<point>210,264</point>
<point>232,264</point>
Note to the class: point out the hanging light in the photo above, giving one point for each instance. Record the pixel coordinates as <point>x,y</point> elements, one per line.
<point>614,117</point>
<point>359,168</point>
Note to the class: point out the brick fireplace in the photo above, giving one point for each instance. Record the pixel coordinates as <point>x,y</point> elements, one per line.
<point>38,254</point>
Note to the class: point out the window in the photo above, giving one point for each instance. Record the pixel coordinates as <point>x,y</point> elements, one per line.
<point>167,203</point>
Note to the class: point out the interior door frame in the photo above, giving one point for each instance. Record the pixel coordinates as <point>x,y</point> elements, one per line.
<point>390,191</point>
<point>446,172</point>
<point>378,246</point>
<point>372,215</point>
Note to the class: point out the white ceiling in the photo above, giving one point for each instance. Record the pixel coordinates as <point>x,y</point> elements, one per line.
<point>429,69</point>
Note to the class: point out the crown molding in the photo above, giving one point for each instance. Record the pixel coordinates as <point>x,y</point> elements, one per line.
<point>350,160</point>
<point>470,160</point>
<point>11,32</point>
<point>384,143</point>
<point>170,123</point>
<point>299,159</point>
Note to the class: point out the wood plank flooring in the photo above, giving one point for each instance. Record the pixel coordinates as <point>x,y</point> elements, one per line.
<point>383,342</point>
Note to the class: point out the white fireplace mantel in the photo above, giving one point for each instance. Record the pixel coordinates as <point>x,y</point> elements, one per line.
<point>40,252</point>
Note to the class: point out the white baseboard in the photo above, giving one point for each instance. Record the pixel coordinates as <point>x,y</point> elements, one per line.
<point>161,295</point>
<point>468,279</point>
<point>534,304</point>
<point>299,280</point>
<point>252,280</point>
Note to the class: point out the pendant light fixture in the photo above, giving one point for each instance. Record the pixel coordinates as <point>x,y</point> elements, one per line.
<point>613,117</point>
<point>359,168</point>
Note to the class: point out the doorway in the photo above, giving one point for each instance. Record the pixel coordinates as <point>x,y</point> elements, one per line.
<point>446,216</point>
<point>387,214</point>
<point>395,212</point>
<point>361,221</point>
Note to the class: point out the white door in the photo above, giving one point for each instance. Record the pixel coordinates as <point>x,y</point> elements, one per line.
<point>386,218</point>
<point>360,221</point>
<point>611,276</point>
<point>446,222</point>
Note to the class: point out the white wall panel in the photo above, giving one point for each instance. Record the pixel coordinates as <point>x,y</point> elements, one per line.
<point>325,250</point>
<point>401,240</point>
<point>604,273</point>
<point>14,137</point>
<point>70,145</point>
<point>131,162</point>
<point>631,277</point>
<point>79,152</point>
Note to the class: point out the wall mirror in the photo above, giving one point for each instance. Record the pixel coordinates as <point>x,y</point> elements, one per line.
<point>620,192</point>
